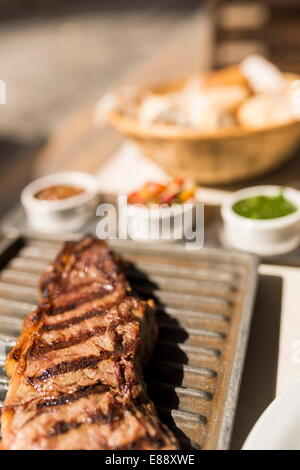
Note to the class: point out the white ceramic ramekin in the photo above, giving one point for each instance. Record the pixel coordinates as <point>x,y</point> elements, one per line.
<point>65,215</point>
<point>142,222</point>
<point>264,237</point>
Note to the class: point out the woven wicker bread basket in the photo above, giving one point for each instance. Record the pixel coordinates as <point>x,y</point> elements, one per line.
<point>224,157</point>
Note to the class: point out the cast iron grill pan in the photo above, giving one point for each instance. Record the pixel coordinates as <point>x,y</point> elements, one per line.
<point>204,301</point>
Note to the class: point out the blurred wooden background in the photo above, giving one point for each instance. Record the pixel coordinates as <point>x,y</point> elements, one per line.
<point>269,27</point>
<point>58,58</point>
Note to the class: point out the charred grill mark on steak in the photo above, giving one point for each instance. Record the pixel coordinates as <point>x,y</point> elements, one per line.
<point>81,392</point>
<point>115,414</point>
<point>81,372</point>
<point>62,427</point>
<point>94,312</point>
<point>114,298</point>
<point>70,366</point>
<point>41,348</point>
<point>53,283</point>
<point>82,300</point>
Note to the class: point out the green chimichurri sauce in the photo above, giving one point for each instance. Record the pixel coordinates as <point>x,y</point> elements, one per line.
<point>264,207</point>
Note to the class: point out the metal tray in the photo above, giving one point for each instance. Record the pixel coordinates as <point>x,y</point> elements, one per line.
<point>205,301</point>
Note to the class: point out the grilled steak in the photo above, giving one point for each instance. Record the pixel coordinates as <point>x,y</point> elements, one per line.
<point>76,371</point>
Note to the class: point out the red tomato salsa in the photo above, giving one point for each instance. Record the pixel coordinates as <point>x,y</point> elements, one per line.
<point>177,191</point>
